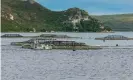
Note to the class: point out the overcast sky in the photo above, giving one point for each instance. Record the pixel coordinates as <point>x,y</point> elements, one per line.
<point>94,7</point>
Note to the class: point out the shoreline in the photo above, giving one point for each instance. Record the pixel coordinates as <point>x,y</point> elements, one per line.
<point>68,32</point>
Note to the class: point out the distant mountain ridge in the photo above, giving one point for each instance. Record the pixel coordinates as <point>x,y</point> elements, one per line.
<point>28,15</point>
<point>118,22</point>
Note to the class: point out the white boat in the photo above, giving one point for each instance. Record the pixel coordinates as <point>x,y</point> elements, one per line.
<point>37,45</point>
<point>47,47</point>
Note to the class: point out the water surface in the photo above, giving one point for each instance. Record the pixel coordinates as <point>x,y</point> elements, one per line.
<point>104,64</point>
<point>89,38</point>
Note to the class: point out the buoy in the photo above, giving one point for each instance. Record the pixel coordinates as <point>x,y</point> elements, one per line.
<point>74,50</point>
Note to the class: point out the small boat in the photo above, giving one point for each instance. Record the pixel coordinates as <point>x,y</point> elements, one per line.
<point>37,45</point>
<point>47,47</point>
<point>43,47</point>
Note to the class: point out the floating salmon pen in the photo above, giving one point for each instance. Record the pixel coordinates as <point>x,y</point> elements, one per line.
<point>42,43</point>
<point>114,37</point>
<point>11,35</point>
<point>54,36</point>
<point>42,35</point>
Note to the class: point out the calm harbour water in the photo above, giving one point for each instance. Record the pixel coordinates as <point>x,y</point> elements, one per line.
<point>88,38</point>
<point>104,64</point>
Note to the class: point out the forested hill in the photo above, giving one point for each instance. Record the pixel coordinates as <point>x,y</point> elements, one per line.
<point>119,22</point>
<point>28,15</point>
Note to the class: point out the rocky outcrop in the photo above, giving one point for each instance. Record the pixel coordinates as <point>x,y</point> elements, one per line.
<point>30,16</point>
<point>76,15</point>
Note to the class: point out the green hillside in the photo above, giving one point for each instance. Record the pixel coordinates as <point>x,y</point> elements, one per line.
<point>121,22</point>
<point>28,15</point>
